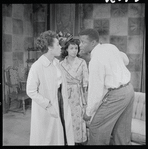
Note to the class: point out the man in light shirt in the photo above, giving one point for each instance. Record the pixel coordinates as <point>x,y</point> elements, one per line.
<point>110,93</point>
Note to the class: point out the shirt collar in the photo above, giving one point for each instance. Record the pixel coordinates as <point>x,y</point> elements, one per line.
<point>94,49</point>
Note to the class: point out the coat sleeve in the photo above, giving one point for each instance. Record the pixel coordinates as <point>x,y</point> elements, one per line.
<point>33,82</point>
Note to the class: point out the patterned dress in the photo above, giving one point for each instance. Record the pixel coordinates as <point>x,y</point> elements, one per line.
<point>77,77</point>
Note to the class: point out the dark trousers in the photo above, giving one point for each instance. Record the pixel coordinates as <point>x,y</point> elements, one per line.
<point>113,118</point>
<point>61,110</point>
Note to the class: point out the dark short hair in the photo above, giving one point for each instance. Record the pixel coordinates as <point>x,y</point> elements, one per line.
<point>72,41</point>
<point>91,33</point>
<point>45,39</point>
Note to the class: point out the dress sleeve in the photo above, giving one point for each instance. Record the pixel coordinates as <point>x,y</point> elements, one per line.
<point>85,74</point>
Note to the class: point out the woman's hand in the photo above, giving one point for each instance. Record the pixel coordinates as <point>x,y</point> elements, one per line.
<point>51,110</point>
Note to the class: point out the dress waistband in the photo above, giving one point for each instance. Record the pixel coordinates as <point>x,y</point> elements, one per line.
<point>110,89</point>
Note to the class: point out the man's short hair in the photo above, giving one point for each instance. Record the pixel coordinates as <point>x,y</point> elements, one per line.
<point>91,33</point>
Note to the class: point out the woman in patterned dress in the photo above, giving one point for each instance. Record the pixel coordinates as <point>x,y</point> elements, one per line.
<point>77,81</point>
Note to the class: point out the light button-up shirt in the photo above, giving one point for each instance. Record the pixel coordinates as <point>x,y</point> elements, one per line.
<point>107,69</point>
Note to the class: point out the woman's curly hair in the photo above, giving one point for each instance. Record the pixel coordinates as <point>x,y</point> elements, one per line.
<point>45,40</point>
<point>63,38</point>
<point>72,41</point>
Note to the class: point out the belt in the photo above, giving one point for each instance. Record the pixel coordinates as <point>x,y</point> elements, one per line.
<point>110,89</point>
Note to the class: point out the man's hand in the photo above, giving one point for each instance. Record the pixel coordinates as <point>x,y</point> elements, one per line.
<point>87,124</point>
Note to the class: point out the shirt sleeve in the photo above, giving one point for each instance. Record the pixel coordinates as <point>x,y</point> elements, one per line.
<point>125,58</point>
<point>95,87</point>
<point>32,88</point>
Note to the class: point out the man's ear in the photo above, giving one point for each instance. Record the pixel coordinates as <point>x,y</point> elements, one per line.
<point>93,43</point>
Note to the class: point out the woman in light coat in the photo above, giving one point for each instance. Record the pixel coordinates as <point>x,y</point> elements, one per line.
<point>51,122</point>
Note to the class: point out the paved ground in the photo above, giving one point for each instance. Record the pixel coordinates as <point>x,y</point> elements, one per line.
<point>16,128</point>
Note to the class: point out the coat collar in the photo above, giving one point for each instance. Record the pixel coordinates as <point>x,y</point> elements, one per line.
<point>45,62</point>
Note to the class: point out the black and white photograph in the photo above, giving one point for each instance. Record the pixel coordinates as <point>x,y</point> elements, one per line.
<point>73,74</point>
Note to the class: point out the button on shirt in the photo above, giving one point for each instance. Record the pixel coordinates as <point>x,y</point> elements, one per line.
<point>107,69</point>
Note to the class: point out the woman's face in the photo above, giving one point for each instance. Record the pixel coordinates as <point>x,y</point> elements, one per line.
<point>56,48</point>
<point>72,50</point>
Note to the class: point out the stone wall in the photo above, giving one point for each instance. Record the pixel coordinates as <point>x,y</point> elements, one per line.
<point>22,23</point>
<point>122,25</point>
<point>17,34</point>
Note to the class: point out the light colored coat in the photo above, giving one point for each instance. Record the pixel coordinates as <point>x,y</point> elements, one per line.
<point>42,88</point>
